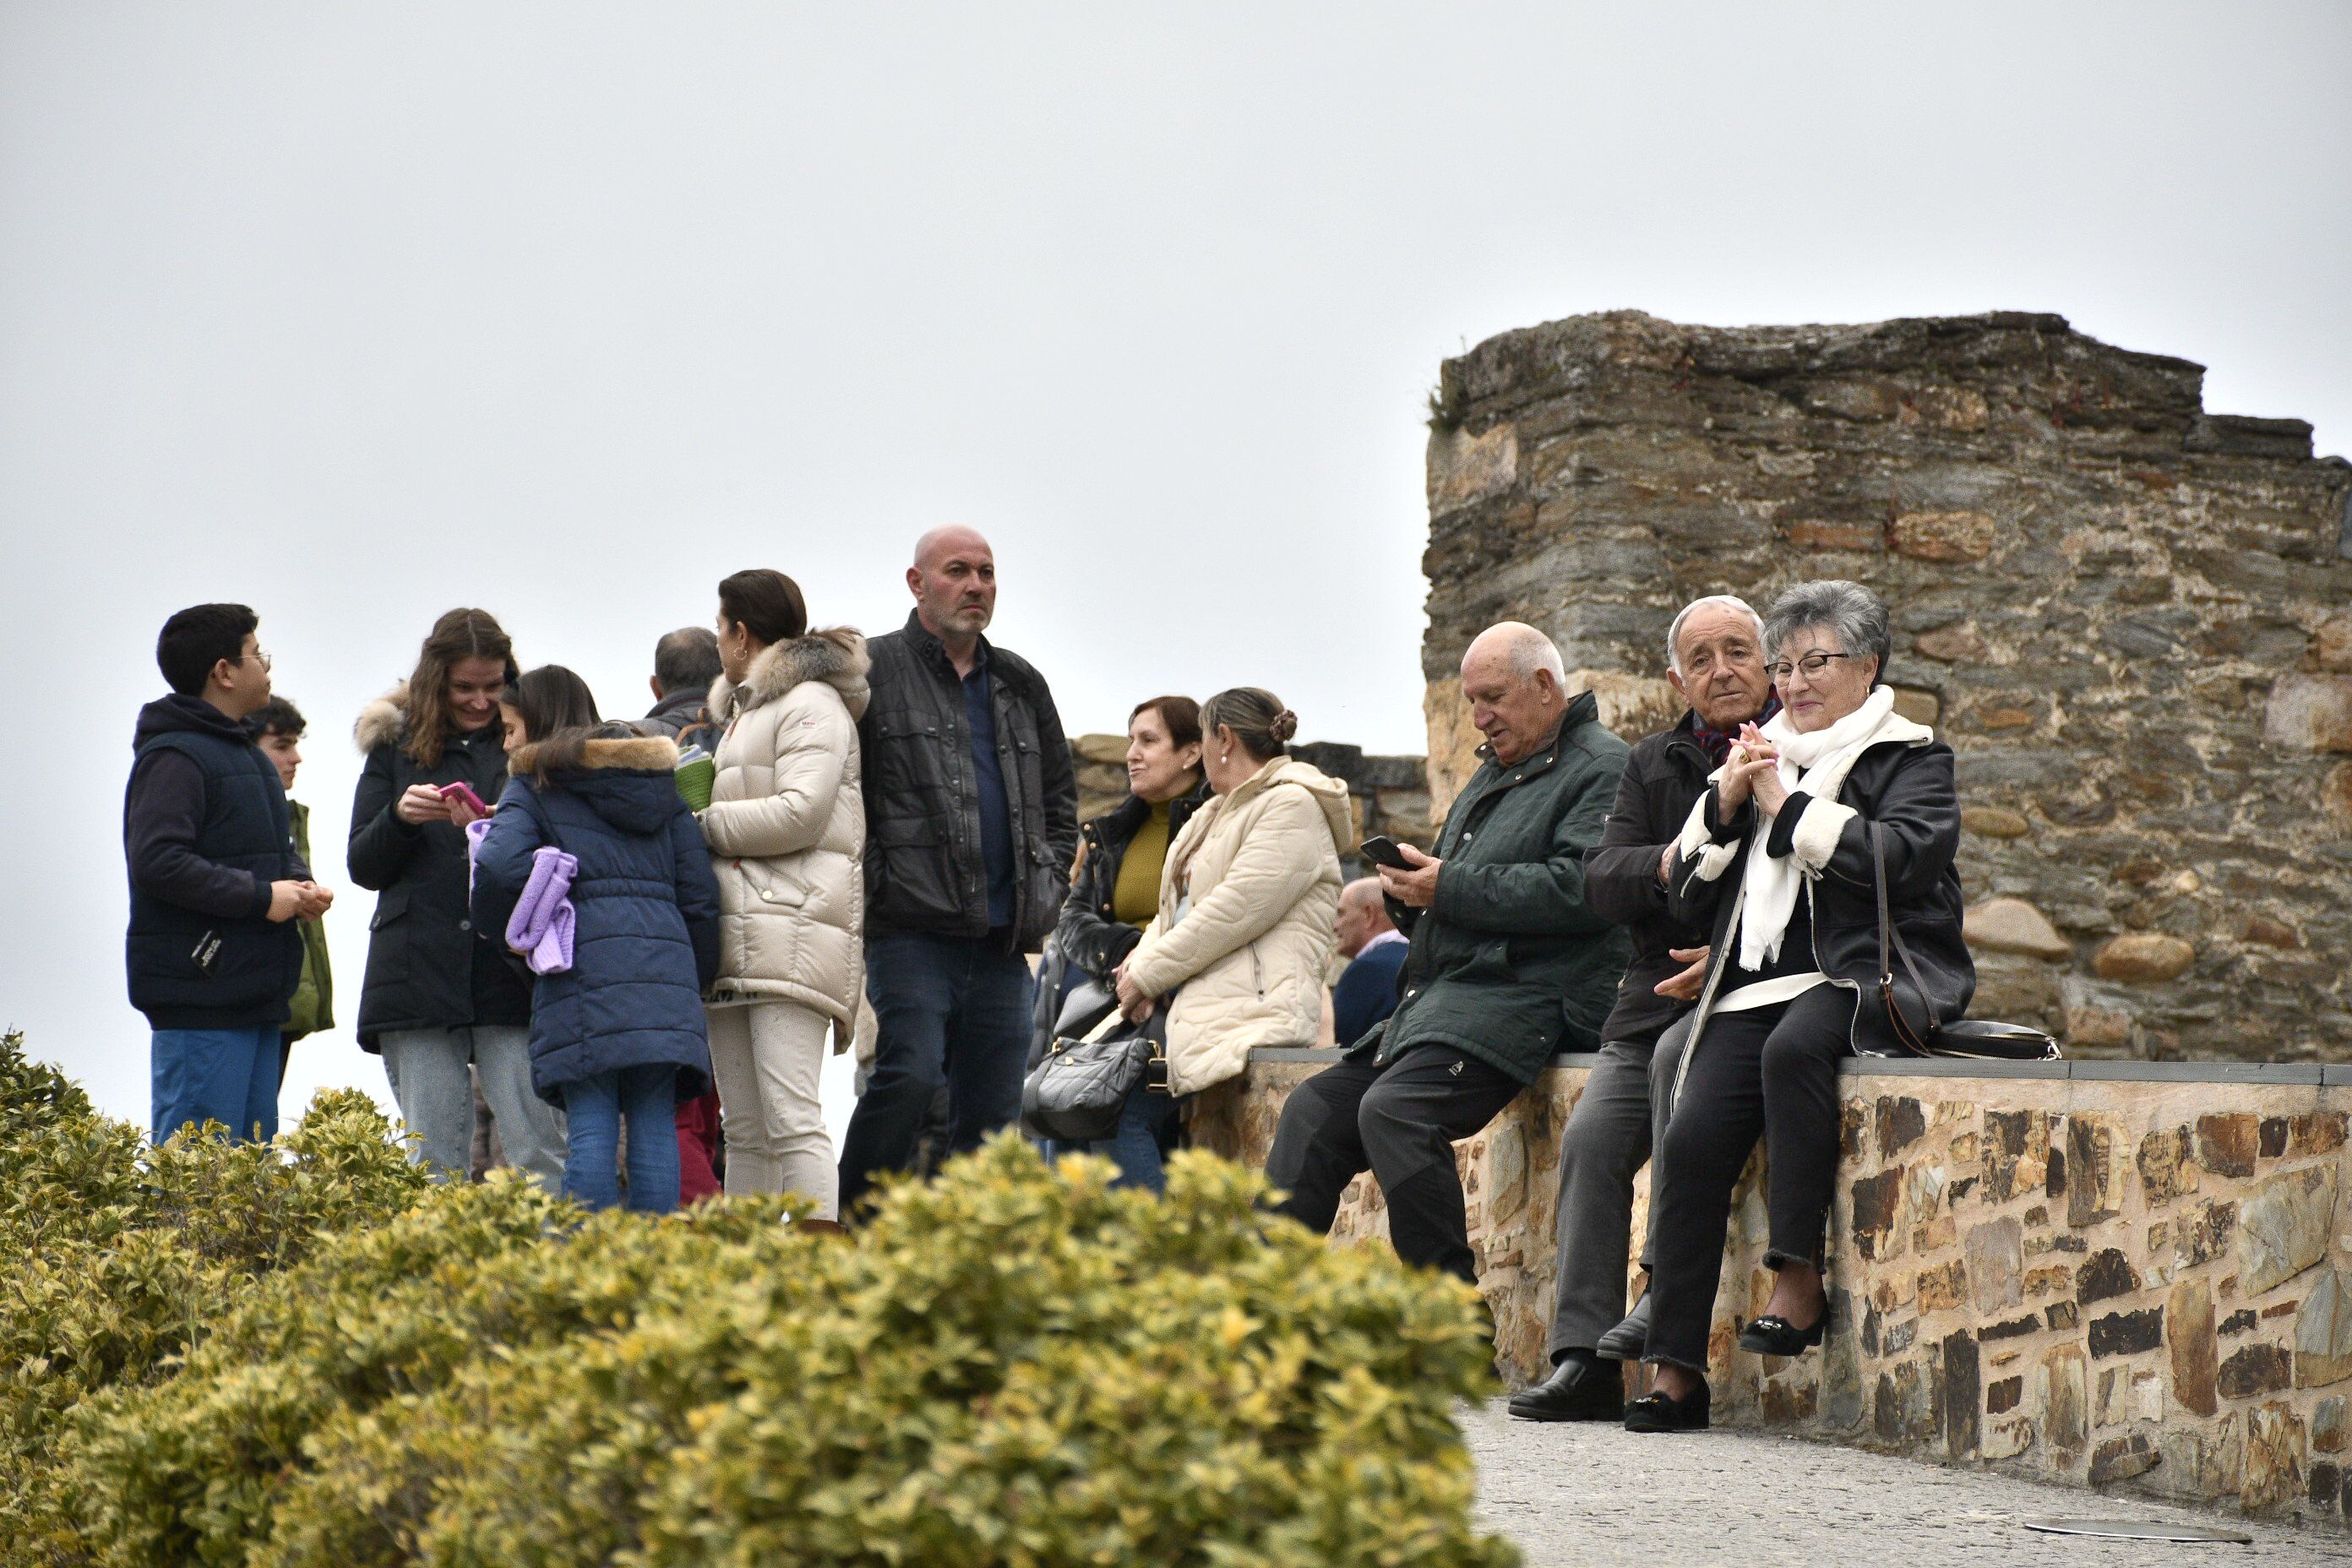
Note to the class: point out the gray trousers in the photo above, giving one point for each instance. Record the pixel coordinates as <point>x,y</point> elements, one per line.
<point>1608,1136</point>
<point>427,1071</point>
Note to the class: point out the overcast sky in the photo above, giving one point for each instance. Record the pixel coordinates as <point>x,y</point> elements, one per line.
<point>358,314</point>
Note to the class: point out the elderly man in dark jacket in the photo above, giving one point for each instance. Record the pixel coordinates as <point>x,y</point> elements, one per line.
<point>972,819</point>
<point>1714,654</point>
<point>1508,964</point>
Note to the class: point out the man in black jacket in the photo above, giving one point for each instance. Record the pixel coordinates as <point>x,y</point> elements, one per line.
<point>972,820</point>
<point>1715,652</point>
<point>213,952</point>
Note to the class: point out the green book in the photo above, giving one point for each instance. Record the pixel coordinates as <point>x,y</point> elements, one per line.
<point>694,778</point>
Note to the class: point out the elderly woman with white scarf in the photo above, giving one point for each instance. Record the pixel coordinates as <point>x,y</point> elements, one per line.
<point>1779,860</point>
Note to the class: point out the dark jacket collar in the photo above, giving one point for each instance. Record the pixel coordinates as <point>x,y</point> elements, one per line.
<point>927,645</point>
<point>179,713</point>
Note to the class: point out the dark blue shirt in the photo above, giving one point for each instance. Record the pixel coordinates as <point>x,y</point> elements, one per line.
<point>1367,992</point>
<point>995,809</point>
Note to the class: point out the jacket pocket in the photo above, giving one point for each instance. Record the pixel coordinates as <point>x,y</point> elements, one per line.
<point>390,905</point>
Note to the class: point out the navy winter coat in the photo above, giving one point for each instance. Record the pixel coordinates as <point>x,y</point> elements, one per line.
<point>645,944</point>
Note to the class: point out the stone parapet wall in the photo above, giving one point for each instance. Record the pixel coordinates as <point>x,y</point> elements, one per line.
<point>2132,618</point>
<point>2087,1272</point>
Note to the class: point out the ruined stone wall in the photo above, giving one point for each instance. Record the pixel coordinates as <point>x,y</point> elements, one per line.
<point>2087,1272</point>
<point>2132,619</point>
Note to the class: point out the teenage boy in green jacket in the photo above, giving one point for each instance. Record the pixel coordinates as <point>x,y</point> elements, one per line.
<point>1507,964</point>
<point>278,730</point>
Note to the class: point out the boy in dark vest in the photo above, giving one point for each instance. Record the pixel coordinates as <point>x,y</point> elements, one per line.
<point>216,885</point>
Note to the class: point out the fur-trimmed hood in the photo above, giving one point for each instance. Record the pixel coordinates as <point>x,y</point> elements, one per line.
<point>836,656</point>
<point>631,783</point>
<point>384,722</point>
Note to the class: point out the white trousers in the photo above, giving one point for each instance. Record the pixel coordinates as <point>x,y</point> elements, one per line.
<point>767,1059</point>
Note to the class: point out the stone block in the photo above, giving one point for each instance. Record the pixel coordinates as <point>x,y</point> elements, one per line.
<point>2329,1430</point>
<point>1918,704</point>
<point>1812,535</point>
<point>2309,713</point>
<point>2336,796</point>
<point>2013,925</point>
<point>2284,1226</point>
<point>2143,957</point>
<point>2097,1028</point>
<point>1994,822</point>
<point>2095,1166</point>
<point>1943,1286</point>
<point>2127,1334</point>
<point>2320,1132</point>
<point>1948,537</point>
<point>2106,1274</point>
<point>1877,1205</point>
<point>2323,1332</point>
<point>2121,1458</point>
<point>2332,643</point>
<point>1963,1388</point>
<point>1996,1265</point>
<point>1952,645</point>
<point>1507,1174</point>
<point>2274,1457</point>
<point>2059,1386</point>
<point>1463,466</point>
<point>1901,1122</point>
<point>2203,1233</point>
<point>1107,749</point>
<point>2227,1145</point>
<point>2189,1334</point>
<point>2254,1369</point>
<point>2164,1169</point>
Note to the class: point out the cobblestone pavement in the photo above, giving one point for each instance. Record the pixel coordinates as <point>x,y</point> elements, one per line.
<point>1571,1494</point>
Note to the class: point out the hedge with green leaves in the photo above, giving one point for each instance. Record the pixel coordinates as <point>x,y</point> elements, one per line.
<point>307,1356</point>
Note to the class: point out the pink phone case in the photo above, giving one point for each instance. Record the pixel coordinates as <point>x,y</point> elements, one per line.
<point>465,791</point>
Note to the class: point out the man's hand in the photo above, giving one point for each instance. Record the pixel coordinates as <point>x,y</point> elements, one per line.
<point>316,900</point>
<point>1416,887</point>
<point>1133,1004</point>
<point>1666,865</point>
<point>1684,987</point>
<point>420,803</point>
<point>286,900</point>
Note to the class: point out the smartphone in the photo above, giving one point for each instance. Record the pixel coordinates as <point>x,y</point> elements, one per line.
<point>464,792</point>
<point>1381,851</point>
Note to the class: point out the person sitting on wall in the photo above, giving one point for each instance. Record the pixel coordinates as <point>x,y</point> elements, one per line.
<point>1779,860</point>
<point>1366,992</point>
<point>1507,962</point>
<point>1715,658</point>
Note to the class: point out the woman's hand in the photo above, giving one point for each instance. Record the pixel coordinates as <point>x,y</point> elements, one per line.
<point>1771,793</point>
<point>462,815</point>
<point>1133,1004</point>
<point>421,803</point>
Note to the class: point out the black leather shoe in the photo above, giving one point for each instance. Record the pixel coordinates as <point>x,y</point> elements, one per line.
<point>1656,1412</point>
<point>1577,1390</point>
<point>1627,1341</point>
<point>1775,1335</point>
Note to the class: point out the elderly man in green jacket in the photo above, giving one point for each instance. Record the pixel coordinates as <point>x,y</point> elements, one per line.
<point>1507,962</point>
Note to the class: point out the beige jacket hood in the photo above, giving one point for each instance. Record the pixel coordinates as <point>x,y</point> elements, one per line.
<point>786,827</point>
<point>1247,958</point>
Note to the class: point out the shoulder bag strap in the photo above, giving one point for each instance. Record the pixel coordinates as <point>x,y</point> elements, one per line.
<point>1889,947</point>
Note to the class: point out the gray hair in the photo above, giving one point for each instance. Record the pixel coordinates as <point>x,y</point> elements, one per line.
<point>1718,601</point>
<point>1849,609</point>
<point>1525,649</point>
<point>687,658</point>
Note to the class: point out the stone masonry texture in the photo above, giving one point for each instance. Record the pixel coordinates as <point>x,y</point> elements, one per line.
<point>2131,618</point>
<point>2059,1279</point>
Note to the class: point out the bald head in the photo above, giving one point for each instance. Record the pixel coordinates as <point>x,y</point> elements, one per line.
<point>1517,688</point>
<point>953,579</point>
<point>1363,915</point>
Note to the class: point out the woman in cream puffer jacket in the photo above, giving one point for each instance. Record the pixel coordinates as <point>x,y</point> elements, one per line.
<point>1246,899</point>
<point>786,827</point>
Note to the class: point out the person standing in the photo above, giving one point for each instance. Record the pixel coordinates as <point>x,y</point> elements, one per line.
<point>1508,963</point>
<point>211,954</point>
<point>279,728</point>
<point>1366,991</point>
<point>617,1027</point>
<point>686,662</point>
<point>971,812</point>
<point>1715,658</point>
<point>438,992</point>
<point>786,825</point>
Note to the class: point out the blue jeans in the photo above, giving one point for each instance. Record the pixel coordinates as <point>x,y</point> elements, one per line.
<point>228,1076</point>
<point>950,1010</point>
<point>1147,1130</point>
<point>592,1109</point>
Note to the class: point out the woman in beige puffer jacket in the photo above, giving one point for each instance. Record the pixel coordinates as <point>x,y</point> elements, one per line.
<point>786,827</point>
<point>1247,898</point>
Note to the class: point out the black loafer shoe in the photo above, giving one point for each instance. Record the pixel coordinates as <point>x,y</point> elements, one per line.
<point>1629,1338</point>
<point>1577,1390</point>
<point>1778,1336</point>
<point>1656,1412</point>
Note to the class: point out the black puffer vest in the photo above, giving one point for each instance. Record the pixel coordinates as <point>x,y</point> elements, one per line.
<point>193,971</point>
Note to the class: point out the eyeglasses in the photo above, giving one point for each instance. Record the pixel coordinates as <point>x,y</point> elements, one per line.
<point>1812,664</point>
<point>261,655</point>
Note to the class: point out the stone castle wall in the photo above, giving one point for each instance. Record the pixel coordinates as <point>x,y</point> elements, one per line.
<point>2087,1272</point>
<point>2132,619</point>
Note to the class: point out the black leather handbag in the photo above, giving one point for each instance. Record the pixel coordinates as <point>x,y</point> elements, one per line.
<point>1914,1024</point>
<point>1074,1094</point>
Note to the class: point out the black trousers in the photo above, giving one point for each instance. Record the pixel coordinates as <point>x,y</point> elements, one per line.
<point>1770,1072</point>
<point>1400,1122</point>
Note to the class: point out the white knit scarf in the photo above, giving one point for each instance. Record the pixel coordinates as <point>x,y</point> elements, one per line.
<point>1814,764</point>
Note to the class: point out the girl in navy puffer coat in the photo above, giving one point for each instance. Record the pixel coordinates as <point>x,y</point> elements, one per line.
<point>620,1033</point>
